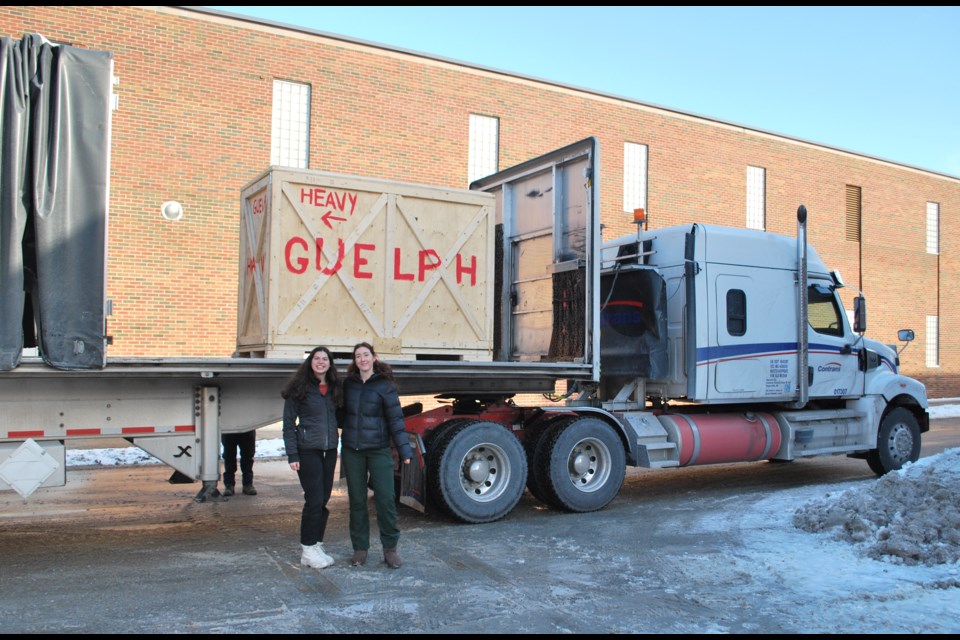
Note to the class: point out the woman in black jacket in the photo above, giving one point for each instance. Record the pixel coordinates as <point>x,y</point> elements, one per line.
<point>373,419</point>
<point>311,400</point>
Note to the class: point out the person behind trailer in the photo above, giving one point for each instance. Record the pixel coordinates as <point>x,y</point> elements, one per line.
<point>312,398</point>
<point>246,442</point>
<point>373,418</point>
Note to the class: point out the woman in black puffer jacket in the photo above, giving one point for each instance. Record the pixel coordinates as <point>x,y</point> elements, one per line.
<point>312,398</point>
<point>373,419</point>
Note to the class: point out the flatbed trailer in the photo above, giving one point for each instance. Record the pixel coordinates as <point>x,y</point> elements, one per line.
<point>176,408</point>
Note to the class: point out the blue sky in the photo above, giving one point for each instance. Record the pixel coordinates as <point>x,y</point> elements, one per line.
<point>883,81</point>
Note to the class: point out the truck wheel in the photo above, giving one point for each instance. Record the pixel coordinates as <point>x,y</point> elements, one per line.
<point>898,442</point>
<point>432,460</point>
<point>479,472</point>
<point>582,465</point>
<point>533,445</point>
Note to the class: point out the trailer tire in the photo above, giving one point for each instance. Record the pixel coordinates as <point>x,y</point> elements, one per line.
<point>533,445</point>
<point>898,442</point>
<point>479,471</point>
<point>432,460</point>
<point>582,465</point>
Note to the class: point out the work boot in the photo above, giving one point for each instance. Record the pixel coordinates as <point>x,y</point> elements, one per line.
<point>391,558</point>
<point>248,490</point>
<point>228,490</point>
<point>314,557</point>
<point>359,558</point>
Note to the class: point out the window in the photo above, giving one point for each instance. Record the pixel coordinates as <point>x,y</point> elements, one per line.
<point>933,227</point>
<point>756,198</point>
<point>823,312</point>
<point>634,176</point>
<point>933,341</point>
<point>853,213</point>
<point>484,147</point>
<point>736,312</point>
<point>290,142</point>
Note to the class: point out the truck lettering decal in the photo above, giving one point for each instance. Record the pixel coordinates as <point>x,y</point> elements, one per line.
<point>829,367</point>
<point>716,353</point>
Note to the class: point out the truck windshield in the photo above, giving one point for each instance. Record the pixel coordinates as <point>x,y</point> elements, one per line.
<point>823,312</point>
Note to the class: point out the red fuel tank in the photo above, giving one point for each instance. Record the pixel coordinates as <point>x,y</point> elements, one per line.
<point>717,438</point>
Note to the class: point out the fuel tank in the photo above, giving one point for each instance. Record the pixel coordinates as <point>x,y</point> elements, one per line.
<point>725,437</point>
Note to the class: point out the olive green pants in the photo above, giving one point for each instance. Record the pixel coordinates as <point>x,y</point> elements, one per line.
<point>377,466</point>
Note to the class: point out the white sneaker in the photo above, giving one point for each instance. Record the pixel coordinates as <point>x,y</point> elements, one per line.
<point>314,557</point>
<point>323,554</point>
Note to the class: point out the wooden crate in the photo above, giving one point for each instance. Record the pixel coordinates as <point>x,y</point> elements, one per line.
<point>336,259</point>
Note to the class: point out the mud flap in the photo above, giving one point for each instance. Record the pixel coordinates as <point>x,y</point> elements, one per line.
<point>413,477</point>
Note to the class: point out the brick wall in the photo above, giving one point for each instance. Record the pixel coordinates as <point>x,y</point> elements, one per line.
<point>194,121</point>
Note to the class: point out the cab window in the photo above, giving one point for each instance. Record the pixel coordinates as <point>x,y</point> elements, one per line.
<point>823,312</point>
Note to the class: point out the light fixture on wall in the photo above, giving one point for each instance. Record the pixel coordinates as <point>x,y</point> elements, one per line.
<point>171,210</point>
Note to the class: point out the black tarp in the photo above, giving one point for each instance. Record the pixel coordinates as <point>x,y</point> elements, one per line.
<point>54,170</point>
<point>633,324</point>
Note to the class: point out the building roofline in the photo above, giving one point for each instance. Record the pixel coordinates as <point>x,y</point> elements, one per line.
<point>555,83</point>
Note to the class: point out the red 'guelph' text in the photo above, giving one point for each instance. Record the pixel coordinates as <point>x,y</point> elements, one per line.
<point>297,257</point>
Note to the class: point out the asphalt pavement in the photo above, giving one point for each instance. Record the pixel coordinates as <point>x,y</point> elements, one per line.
<point>121,550</point>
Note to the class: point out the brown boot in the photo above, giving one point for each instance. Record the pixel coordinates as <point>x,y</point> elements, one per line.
<point>359,558</point>
<point>391,558</point>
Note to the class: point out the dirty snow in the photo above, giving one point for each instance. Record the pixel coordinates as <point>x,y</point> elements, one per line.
<point>911,516</point>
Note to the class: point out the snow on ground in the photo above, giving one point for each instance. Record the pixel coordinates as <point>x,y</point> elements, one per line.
<point>910,516</point>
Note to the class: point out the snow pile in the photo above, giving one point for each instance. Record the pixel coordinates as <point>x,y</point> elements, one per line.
<point>910,516</point>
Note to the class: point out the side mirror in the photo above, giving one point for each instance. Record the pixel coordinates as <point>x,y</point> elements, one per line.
<point>905,335</point>
<point>859,314</point>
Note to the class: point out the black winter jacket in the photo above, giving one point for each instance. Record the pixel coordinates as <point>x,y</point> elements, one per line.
<point>373,416</point>
<point>317,425</point>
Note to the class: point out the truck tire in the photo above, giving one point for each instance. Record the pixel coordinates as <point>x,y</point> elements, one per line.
<point>582,465</point>
<point>898,442</point>
<point>479,471</point>
<point>533,445</point>
<point>432,460</point>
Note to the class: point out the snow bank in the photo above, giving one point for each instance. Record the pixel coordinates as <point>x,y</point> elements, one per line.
<point>910,516</point>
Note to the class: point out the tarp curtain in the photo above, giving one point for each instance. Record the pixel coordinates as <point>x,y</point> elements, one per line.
<point>54,170</point>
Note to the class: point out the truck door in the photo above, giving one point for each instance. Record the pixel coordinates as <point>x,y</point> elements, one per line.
<point>832,360</point>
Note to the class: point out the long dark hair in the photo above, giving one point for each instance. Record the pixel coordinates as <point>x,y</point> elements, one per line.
<point>304,377</point>
<point>379,366</point>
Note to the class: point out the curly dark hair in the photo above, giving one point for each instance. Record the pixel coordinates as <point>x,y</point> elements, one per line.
<point>304,376</point>
<point>379,366</point>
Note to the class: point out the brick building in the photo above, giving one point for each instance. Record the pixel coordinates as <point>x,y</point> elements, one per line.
<point>199,91</point>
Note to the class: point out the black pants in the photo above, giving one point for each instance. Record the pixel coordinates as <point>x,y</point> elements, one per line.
<point>247,443</point>
<point>316,471</point>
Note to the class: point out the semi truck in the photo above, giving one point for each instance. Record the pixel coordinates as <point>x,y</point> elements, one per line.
<point>665,348</point>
